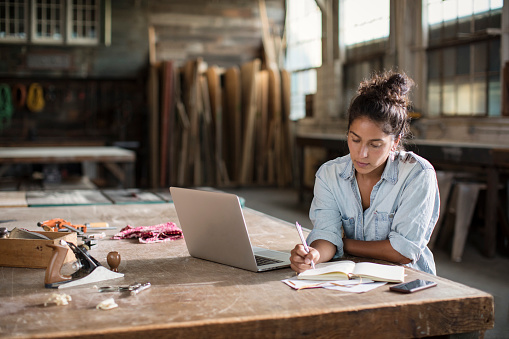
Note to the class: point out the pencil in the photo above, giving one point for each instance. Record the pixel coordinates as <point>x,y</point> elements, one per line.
<point>303,240</point>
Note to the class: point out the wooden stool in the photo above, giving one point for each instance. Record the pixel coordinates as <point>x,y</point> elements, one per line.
<point>444,180</point>
<point>464,201</point>
<point>461,203</point>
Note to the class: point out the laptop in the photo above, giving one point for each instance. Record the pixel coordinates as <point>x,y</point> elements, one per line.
<point>214,229</point>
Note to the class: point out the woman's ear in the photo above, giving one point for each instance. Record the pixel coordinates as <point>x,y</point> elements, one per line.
<point>396,143</point>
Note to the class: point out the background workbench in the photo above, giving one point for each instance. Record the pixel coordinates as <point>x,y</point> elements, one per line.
<point>119,161</point>
<point>191,297</point>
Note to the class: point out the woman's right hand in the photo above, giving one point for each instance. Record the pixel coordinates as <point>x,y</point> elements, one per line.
<point>300,260</point>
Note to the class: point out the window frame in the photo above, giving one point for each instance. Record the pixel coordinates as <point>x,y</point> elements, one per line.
<point>64,20</point>
<point>446,36</point>
<point>10,38</point>
<point>48,22</point>
<point>70,22</point>
<point>298,97</point>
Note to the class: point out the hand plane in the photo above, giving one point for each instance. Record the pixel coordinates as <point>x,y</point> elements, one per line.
<point>88,269</point>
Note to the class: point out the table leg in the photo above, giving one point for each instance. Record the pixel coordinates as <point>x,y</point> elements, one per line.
<point>129,172</point>
<point>490,227</point>
<point>4,169</point>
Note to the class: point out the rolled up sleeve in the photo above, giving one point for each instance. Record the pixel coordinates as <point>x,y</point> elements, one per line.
<point>326,217</point>
<point>416,215</point>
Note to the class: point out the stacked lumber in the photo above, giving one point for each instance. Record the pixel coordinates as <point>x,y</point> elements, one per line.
<point>219,127</point>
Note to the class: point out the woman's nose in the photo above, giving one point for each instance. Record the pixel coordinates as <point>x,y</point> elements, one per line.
<point>363,151</point>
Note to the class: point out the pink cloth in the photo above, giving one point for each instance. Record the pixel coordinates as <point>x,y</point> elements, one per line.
<point>151,234</point>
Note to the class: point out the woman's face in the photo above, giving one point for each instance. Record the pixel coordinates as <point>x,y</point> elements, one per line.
<point>369,146</point>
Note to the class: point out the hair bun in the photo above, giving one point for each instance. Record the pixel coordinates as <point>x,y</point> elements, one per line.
<point>399,84</point>
<point>388,86</point>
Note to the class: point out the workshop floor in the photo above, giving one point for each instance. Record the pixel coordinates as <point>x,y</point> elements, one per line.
<point>475,270</point>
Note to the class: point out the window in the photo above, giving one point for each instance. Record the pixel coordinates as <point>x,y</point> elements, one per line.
<point>365,29</point>
<point>83,22</point>
<point>464,57</point>
<point>47,20</point>
<point>50,21</point>
<point>365,20</point>
<point>304,51</point>
<point>13,20</point>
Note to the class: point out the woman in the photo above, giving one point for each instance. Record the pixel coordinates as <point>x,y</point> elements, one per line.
<point>378,201</point>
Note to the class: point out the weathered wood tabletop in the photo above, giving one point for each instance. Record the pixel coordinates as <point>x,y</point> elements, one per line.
<point>195,298</point>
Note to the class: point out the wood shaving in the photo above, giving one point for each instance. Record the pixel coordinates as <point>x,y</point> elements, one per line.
<point>107,304</point>
<point>58,299</point>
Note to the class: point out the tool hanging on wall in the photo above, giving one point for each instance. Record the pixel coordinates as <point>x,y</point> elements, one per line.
<point>19,95</point>
<point>88,269</point>
<point>6,107</point>
<point>35,98</point>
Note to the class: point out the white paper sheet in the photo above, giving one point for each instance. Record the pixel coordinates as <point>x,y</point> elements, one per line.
<point>353,286</point>
<point>361,288</point>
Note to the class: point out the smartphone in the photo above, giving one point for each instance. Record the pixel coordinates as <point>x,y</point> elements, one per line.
<point>413,286</point>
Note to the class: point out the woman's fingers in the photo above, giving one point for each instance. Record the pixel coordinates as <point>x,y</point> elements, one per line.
<point>301,260</point>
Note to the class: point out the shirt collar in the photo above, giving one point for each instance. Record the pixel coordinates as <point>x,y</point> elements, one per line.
<point>390,172</point>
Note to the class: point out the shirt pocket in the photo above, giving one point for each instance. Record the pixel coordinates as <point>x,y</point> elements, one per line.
<point>348,227</point>
<point>383,224</point>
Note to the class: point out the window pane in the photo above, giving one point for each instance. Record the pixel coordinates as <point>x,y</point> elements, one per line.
<point>481,6</point>
<point>466,71</point>
<point>300,57</point>
<point>463,65</point>
<point>479,96</point>
<point>434,98</point>
<point>84,21</point>
<point>480,57</point>
<point>464,25</point>
<point>449,105</point>
<point>494,93</point>
<point>12,20</point>
<point>434,64</point>
<point>365,20</point>
<point>304,36</point>
<point>302,83</point>
<point>464,97</point>
<point>304,51</point>
<point>482,21</point>
<point>450,10</point>
<point>435,12</point>
<point>48,20</point>
<point>466,8</point>
<point>494,65</point>
<point>449,62</point>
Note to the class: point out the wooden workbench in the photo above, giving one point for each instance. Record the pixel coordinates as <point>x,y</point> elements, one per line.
<point>195,298</point>
<point>119,161</point>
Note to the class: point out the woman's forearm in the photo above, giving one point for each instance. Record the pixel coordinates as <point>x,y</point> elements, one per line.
<point>374,249</point>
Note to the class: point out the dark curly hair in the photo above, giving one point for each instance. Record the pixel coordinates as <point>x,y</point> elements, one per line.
<point>384,100</point>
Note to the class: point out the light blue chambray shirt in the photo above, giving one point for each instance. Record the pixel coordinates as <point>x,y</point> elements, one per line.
<point>404,207</point>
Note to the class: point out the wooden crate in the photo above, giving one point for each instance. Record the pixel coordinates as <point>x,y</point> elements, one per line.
<point>33,253</point>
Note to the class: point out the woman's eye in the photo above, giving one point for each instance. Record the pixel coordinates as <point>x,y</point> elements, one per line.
<point>376,145</point>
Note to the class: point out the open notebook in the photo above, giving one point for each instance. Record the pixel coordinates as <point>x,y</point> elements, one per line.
<point>347,269</point>
<point>214,229</point>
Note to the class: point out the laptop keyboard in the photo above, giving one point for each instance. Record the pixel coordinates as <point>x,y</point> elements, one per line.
<point>261,261</point>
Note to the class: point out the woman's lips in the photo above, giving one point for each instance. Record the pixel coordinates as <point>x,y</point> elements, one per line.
<point>362,164</point>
